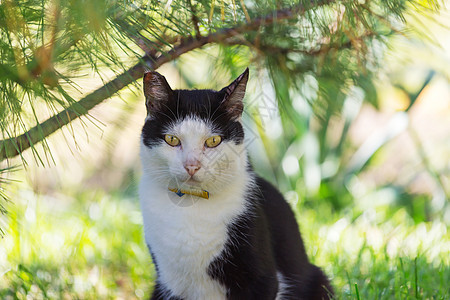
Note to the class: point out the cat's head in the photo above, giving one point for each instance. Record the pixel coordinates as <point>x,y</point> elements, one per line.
<point>193,137</point>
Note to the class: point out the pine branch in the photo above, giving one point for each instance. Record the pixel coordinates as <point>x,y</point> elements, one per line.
<point>14,146</point>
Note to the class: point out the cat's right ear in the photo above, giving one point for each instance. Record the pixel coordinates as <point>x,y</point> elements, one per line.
<point>156,90</point>
<point>234,94</point>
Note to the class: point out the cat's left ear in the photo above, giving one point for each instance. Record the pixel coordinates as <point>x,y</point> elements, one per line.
<point>234,94</point>
<point>156,90</point>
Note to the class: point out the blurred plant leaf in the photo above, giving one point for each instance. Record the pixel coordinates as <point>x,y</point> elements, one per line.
<point>321,50</point>
<point>5,180</point>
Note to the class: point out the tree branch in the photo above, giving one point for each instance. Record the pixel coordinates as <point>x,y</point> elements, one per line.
<point>14,146</point>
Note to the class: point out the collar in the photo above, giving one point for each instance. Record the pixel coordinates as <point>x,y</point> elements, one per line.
<point>198,193</point>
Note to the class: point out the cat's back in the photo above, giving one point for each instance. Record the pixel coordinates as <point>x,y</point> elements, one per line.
<point>297,277</point>
<point>282,224</point>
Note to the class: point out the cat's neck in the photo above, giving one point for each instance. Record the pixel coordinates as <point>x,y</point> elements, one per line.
<point>239,187</point>
<point>225,203</point>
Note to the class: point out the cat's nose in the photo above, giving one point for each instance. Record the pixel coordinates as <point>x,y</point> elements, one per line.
<point>192,169</point>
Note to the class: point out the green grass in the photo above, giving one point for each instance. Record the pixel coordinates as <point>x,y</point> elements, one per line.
<point>91,246</point>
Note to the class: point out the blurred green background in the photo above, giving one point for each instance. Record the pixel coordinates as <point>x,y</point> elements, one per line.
<point>359,146</point>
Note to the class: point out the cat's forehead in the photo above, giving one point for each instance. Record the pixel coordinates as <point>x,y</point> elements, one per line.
<point>202,103</point>
<point>191,125</point>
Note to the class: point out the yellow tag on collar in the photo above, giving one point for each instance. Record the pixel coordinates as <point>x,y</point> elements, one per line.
<point>198,193</point>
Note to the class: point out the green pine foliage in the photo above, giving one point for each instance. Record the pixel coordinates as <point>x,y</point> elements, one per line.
<point>48,46</point>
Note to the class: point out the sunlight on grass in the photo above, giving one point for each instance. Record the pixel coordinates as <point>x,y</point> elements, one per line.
<point>92,247</point>
<point>393,259</point>
<point>89,247</point>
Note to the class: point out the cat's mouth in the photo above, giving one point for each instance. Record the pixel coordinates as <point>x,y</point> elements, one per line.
<point>192,180</point>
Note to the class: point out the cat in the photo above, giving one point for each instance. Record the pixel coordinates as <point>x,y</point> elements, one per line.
<point>215,230</point>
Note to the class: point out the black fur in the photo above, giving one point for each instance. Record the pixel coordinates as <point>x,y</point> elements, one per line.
<point>265,239</point>
<point>261,242</point>
<point>204,104</point>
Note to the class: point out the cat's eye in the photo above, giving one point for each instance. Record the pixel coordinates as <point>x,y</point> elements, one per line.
<point>213,141</point>
<point>172,140</point>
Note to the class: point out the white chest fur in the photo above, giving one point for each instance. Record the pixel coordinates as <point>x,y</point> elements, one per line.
<point>185,240</point>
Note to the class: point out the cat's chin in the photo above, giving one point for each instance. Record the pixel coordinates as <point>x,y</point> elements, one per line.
<point>193,182</point>
<point>186,182</point>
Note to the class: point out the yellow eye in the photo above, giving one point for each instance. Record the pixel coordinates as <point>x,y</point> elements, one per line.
<point>213,141</point>
<point>172,140</point>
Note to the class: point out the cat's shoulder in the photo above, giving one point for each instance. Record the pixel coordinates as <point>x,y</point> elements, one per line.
<point>266,191</point>
<point>271,201</point>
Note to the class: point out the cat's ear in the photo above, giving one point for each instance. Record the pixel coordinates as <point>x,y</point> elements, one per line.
<point>234,94</point>
<point>156,90</point>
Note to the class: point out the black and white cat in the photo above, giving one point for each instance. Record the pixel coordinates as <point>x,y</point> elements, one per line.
<point>214,228</point>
